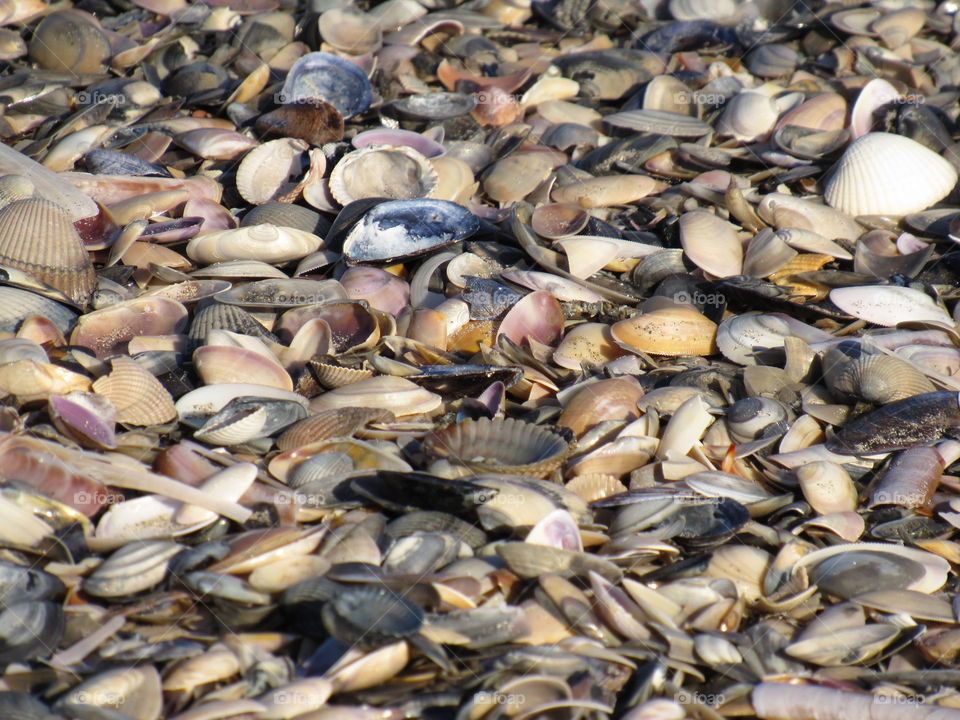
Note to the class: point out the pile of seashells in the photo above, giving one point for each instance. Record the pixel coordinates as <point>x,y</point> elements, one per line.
<point>479,360</point>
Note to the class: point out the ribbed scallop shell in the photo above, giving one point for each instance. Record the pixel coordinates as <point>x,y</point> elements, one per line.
<point>340,422</point>
<point>670,331</point>
<point>400,173</point>
<point>219,316</point>
<point>239,429</point>
<point>334,376</point>
<point>500,445</point>
<point>878,379</point>
<point>37,237</point>
<point>16,305</point>
<point>885,174</point>
<point>139,397</point>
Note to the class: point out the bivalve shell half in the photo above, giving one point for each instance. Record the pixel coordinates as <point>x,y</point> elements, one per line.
<point>266,243</point>
<point>132,569</point>
<point>270,171</point>
<point>885,174</point>
<point>500,445</point>
<point>38,237</point>
<point>325,76</point>
<point>386,392</point>
<point>230,364</point>
<point>668,331</point>
<point>888,305</point>
<point>398,173</point>
<point>137,395</point>
<point>711,243</point>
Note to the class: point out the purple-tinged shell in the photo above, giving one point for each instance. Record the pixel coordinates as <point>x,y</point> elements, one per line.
<point>324,76</point>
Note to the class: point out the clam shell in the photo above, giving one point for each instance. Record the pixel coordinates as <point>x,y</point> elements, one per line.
<point>266,243</point>
<point>888,305</point>
<point>500,445</point>
<point>137,395</point>
<point>229,364</point>
<point>132,569</point>
<point>669,331</point>
<point>398,173</point>
<point>16,305</point>
<point>877,379</point>
<point>340,422</point>
<point>711,243</point>
<point>370,616</point>
<point>221,316</point>
<point>70,41</point>
<point>37,237</point>
<point>287,215</point>
<point>312,120</point>
<point>395,394</point>
<point>885,174</point>
<point>659,121</point>
<point>270,171</point>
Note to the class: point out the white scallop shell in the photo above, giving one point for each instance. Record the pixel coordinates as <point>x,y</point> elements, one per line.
<point>399,173</point>
<point>270,171</point>
<point>885,174</point>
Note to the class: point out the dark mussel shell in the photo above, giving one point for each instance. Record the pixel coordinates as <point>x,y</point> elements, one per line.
<point>112,162</point>
<point>399,229</point>
<point>915,420</point>
<point>709,523</point>
<point>406,491</point>
<point>369,616</point>
<point>464,380</point>
<point>328,77</point>
<point>435,106</point>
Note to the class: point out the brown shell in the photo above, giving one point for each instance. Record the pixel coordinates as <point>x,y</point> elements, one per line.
<point>314,120</point>
<point>139,397</point>
<point>37,237</point>
<point>669,331</point>
<point>596,486</point>
<point>339,422</point>
<point>500,445</point>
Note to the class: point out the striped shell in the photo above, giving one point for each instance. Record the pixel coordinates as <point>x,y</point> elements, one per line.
<point>500,445</point>
<point>137,395</point>
<point>38,237</point>
<point>339,422</point>
<point>885,174</point>
<point>877,379</point>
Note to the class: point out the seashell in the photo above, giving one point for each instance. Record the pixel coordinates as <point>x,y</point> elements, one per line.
<point>265,243</point>
<point>748,117</point>
<point>675,330</point>
<point>270,171</point>
<point>30,630</point>
<point>395,394</point>
<point>888,305</point>
<point>287,293</point>
<point>196,406</point>
<point>17,305</point>
<point>131,569</point>
<point>86,418</point>
<point>772,60</point>
<point>606,191</point>
<point>350,30</point>
<point>131,691</point>
<point>217,364</point>
<point>558,220</point>
<point>827,487</point>
<point>339,422</point>
<point>249,418</point>
<point>38,237</point>
<point>312,120</point>
<point>285,214</point>
<point>659,121</point>
<point>398,173</point>
<point>328,77</point>
<point>516,176</point>
<point>786,211</point>
<point>215,143</point>
<point>400,229</point>
<point>137,395</point>
<point>740,337</point>
<point>221,316</point>
<point>874,378</point>
<point>499,445</point>
<point>371,616</point>
<point>915,420</point>
<point>106,332</point>
<point>531,561</point>
<point>884,174</point>
<point>711,243</point>
<point>70,41</point>
<point>436,106</point>
<point>537,317</point>
<point>702,9</point>
<point>756,417</point>
<point>589,345</point>
<point>898,27</point>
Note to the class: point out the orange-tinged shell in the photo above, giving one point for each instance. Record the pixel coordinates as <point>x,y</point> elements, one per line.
<point>500,445</point>
<point>670,331</point>
<point>37,237</point>
<point>137,395</point>
<point>613,399</point>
